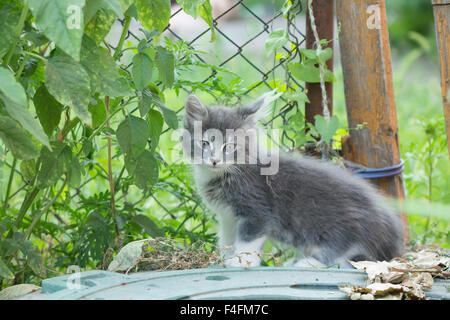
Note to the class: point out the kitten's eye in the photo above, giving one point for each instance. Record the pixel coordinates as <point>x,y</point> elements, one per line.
<point>205,144</point>
<point>230,147</point>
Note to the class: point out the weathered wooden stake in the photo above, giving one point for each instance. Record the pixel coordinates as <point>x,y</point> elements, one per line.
<point>369,91</point>
<point>324,17</point>
<point>442,25</point>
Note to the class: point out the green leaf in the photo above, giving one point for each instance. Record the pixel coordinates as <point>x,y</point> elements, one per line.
<point>165,62</point>
<point>309,53</point>
<point>190,6</point>
<point>98,112</point>
<point>102,70</point>
<point>28,169</point>
<point>16,291</point>
<point>16,139</point>
<point>62,22</point>
<point>100,25</point>
<point>16,104</point>
<point>299,96</point>
<point>5,272</point>
<point>142,70</point>
<point>326,128</point>
<point>153,14</point>
<point>132,135</point>
<point>33,256</point>
<point>92,6</point>
<point>205,12</point>
<point>132,11</point>
<point>200,8</point>
<point>148,225</point>
<point>324,55</point>
<point>39,39</point>
<point>74,172</point>
<point>308,72</point>
<point>69,83</point>
<point>276,40</point>
<point>48,110</point>
<point>8,22</point>
<point>156,122</point>
<point>145,103</point>
<point>170,116</point>
<point>54,164</point>
<point>125,4</point>
<point>146,173</point>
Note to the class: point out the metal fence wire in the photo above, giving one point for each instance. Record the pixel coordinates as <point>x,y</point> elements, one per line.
<point>296,39</point>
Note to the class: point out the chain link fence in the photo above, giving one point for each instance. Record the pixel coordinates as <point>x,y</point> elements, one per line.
<point>179,199</point>
<point>244,48</point>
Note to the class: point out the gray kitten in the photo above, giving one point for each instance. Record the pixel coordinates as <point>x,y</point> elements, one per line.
<point>326,212</point>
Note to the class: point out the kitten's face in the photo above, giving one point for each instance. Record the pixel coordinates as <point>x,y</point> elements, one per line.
<point>219,136</point>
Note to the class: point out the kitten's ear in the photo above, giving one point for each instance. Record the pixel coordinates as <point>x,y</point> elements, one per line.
<point>195,110</point>
<point>260,109</point>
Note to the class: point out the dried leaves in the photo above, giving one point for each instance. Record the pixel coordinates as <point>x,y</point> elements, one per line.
<point>406,277</point>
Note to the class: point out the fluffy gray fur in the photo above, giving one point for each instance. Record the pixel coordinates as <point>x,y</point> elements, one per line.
<point>326,212</point>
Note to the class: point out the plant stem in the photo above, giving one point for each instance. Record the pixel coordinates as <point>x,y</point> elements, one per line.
<point>44,210</point>
<point>118,50</point>
<point>35,55</point>
<point>19,29</point>
<point>116,185</point>
<point>8,188</point>
<point>110,173</point>
<point>430,187</point>
<point>22,66</point>
<point>29,198</point>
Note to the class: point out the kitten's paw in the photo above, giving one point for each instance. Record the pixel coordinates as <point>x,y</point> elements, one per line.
<point>244,260</point>
<point>308,262</point>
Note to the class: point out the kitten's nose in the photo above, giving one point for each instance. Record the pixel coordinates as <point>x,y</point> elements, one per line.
<point>215,162</point>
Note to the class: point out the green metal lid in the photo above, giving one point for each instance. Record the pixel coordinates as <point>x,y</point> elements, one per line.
<point>213,283</point>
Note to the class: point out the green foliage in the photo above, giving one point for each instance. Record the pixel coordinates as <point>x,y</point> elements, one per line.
<point>429,180</point>
<point>402,18</point>
<point>326,128</point>
<point>276,40</point>
<point>48,110</point>
<point>16,105</point>
<point>16,139</point>
<point>200,8</point>
<point>142,70</point>
<point>309,70</point>
<point>69,83</point>
<point>64,98</point>
<point>153,14</point>
<point>61,22</point>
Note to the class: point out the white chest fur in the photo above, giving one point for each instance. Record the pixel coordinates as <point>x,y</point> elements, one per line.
<point>224,212</point>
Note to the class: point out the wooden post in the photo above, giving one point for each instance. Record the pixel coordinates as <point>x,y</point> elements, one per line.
<point>369,91</point>
<point>442,25</point>
<point>324,18</point>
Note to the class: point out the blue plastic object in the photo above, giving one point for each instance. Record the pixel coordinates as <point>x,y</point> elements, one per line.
<point>215,283</point>
<point>370,173</point>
